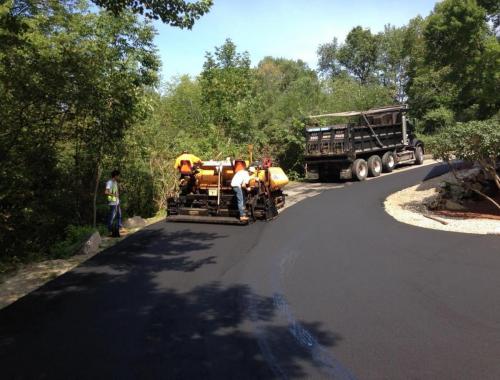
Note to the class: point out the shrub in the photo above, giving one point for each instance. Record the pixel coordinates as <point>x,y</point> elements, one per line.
<point>474,141</point>
<point>75,236</point>
<point>437,119</point>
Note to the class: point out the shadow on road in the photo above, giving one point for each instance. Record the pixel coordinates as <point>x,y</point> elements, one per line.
<point>436,171</point>
<point>159,250</point>
<point>444,168</point>
<point>116,316</point>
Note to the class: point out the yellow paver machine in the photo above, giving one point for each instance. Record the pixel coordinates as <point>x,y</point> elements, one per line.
<point>207,196</point>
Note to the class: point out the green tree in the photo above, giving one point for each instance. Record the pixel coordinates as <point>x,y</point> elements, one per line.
<point>392,61</point>
<point>414,49</point>
<point>459,60</point>
<point>182,106</point>
<point>288,90</point>
<point>492,8</point>
<point>359,54</point>
<point>345,93</point>
<point>227,91</point>
<point>369,58</point>
<point>328,59</point>
<point>178,13</point>
<point>455,33</point>
<point>70,82</point>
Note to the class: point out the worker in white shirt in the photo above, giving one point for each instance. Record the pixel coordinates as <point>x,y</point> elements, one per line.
<point>240,180</point>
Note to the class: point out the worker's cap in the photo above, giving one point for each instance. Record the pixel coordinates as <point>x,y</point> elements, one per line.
<point>252,169</point>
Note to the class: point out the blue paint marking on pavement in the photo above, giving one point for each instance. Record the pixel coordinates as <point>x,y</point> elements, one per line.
<point>331,366</point>
<point>262,339</point>
<point>305,339</point>
<point>323,359</point>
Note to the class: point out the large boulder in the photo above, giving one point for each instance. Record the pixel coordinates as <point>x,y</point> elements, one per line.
<point>91,245</point>
<point>134,222</point>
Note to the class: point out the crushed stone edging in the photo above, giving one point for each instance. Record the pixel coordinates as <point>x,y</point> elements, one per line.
<point>408,206</point>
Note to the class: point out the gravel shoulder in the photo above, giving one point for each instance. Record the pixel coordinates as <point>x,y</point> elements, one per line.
<point>409,206</point>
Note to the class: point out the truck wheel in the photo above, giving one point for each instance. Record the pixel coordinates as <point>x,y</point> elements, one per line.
<point>360,169</point>
<point>419,155</point>
<point>388,162</point>
<point>374,166</point>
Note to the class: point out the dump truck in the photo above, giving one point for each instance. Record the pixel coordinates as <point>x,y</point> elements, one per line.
<point>369,143</point>
<point>211,198</point>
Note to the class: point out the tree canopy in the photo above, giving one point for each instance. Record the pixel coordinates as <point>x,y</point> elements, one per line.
<point>179,13</point>
<point>71,83</point>
<point>357,56</point>
<point>456,65</point>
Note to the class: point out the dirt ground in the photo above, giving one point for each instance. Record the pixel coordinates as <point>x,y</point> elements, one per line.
<point>409,206</point>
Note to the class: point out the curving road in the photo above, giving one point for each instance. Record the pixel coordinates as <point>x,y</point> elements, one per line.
<point>333,288</point>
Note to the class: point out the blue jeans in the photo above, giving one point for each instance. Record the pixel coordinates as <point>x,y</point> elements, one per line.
<point>114,212</point>
<point>241,200</point>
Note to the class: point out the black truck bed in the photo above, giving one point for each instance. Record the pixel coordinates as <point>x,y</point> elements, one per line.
<point>343,140</point>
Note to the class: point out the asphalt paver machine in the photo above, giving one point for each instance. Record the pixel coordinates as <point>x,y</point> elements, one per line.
<point>211,199</point>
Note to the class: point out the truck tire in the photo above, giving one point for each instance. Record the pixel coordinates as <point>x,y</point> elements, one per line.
<point>374,166</point>
<point>388,162</point>
<point>419,155</point>
<point>360,169</point>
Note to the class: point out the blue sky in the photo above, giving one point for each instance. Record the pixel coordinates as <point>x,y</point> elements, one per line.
<point>280,28</point>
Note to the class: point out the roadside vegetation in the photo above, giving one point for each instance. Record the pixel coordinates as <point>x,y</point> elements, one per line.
<point>80,96</point>
<point>475,142</point>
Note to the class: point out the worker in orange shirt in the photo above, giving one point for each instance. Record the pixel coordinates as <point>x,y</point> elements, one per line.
<point>186,164</point>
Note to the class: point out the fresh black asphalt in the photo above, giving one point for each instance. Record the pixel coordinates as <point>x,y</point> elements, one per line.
<point>332,288</point>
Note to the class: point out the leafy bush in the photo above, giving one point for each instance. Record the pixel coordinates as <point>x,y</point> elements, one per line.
<point>427,140</point>
<point>474,141</point>
<point>437,119</point>
<point>75,236</point>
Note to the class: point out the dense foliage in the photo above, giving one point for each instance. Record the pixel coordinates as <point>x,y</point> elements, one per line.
<point>455,62</point>
<point>474,141</point>
<point>178,13</point>
<point>71,84</point>
<point>79,96</point>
